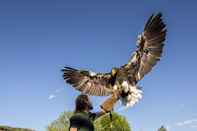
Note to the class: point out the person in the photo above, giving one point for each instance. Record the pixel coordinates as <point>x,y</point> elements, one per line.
<point>82,120</point>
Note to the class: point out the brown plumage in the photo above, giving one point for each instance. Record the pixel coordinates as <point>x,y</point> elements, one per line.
<point>149,50</point>
<point>85,82</point>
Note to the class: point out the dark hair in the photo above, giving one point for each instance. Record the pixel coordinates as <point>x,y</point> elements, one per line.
<point>82,103</point>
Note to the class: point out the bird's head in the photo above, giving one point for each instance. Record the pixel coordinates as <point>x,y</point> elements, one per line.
<point>114,71</point>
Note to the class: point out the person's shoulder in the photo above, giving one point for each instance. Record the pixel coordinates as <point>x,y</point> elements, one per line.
<point>81,120</point>
<point>79,115</point>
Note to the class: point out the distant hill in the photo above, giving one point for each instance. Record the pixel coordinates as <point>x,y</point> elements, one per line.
<point>8,128</point>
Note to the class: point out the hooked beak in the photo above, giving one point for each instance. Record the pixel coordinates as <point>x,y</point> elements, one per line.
<point>114,72</point>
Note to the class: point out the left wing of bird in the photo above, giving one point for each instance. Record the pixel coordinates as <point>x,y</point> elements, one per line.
<point>88,82</point>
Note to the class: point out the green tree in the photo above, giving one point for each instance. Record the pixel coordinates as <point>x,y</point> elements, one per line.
<point>104,123</point>
<point>62,123</point>
<point>117,123</point>
<point>8,128</point>
<point>162,128</point>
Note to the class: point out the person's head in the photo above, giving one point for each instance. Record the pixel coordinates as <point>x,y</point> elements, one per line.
<point>83,103</point>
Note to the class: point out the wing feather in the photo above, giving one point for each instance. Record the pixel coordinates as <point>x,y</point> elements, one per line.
<point>151,44</point>
<point>150,47</point>
<point>82,80</point>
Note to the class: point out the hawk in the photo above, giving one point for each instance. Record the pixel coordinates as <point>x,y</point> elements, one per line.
<point>125,78</point>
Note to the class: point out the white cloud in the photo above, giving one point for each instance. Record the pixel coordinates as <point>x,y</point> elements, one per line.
<point>191,123</point>
<point>193,126</point>
<point>52,96</point>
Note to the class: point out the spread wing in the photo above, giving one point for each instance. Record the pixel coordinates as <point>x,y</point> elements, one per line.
<point>88,82</point>
<point>150,47</point>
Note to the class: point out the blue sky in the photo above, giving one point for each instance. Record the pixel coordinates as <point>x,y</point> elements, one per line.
<point>37,38</point>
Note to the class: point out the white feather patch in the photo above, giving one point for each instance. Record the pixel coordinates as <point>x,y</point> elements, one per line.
<point>138,74</point>
<point>92,73</point>
<point>125,86</point>
<point>134,95</point>
<point>115,87</point>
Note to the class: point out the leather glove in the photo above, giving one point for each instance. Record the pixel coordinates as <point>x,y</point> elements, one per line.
<point>108,104</point>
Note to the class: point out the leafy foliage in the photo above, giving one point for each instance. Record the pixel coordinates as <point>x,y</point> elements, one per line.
<point>104,123</point>
<point>162,128</point>
<point>117,123</point>
<point>62,123</point>
<point>8,128</point>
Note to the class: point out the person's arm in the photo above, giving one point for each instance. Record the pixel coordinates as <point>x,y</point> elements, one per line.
<point>107,105</point>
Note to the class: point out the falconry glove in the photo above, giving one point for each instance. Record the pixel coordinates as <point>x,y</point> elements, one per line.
<point>108,104</point>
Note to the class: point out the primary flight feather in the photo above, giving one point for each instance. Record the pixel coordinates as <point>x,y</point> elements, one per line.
<point>125,78</point>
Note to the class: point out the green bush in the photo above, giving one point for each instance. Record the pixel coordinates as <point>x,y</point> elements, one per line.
<point>162,128</point>
<point>8,128</point>
<point>104,123</point>
<point>62,123</point>
<point>118,123</point>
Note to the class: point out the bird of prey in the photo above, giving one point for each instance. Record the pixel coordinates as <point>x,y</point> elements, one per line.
<point>125,78</point>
